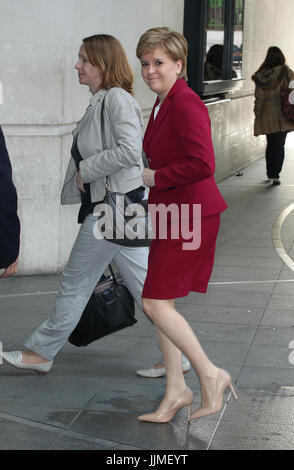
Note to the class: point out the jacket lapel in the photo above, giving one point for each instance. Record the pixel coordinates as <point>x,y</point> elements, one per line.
<point>150,124</point>
<point>154,125</point>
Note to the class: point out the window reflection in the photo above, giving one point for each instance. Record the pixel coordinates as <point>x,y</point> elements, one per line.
<point>238,38</point>
<point>215,20</point>
<point>213,63</point>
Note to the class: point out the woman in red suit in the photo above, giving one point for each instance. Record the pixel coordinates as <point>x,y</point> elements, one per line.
<point>179,149</point>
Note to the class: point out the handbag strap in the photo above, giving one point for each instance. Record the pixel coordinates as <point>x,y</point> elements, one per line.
<point>103,135</point>
<point>144,158</point>
<point>102,123</point>
<point>112,274</point>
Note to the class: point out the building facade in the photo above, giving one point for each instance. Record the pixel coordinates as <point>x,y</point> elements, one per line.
<point>42,99</point>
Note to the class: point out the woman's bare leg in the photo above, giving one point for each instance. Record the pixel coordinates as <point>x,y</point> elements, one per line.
<point>175,335</point>
<point>30,357</point>
<point>175,382</point>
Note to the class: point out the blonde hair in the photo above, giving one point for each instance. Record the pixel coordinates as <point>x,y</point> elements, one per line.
<point>172,43</point>
<point>107,54</point>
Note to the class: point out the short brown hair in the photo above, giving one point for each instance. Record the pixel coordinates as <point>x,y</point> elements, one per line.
<point>174,45</point>
<point>107,54</point>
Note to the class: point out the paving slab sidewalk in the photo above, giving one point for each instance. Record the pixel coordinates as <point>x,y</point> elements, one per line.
<point>91,398</point>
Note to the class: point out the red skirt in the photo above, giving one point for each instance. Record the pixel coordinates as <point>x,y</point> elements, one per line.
<point>173,272</point>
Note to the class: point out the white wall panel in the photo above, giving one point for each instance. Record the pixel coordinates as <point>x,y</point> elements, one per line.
<point>42,99</point>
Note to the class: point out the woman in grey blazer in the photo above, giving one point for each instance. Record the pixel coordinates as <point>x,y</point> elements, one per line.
<point>102,66</point>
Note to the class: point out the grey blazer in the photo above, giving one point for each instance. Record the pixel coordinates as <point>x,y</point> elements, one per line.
<point>122,158</point>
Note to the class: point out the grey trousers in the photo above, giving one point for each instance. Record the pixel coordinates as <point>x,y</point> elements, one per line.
<point>88,260</point>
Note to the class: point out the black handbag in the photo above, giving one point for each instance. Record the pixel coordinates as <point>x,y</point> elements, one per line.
<point>123,222</point>
<point>111,308</point>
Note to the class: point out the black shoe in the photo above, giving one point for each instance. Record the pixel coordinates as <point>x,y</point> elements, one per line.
<point>276,182</point>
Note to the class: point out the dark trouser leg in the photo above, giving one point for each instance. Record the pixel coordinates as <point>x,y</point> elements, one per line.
<point>275,153</point>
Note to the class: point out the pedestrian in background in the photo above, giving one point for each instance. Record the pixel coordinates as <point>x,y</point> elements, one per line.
<point>9,221</point>
<point>269,120</point>
<point>179,150</point>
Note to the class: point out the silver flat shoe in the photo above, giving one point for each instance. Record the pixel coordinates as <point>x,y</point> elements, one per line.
<point>157,371</point>
<point>14,358</point>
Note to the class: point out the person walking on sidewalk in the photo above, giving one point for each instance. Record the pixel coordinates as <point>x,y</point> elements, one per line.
<point>269,120</point>
<point>103,67</point>
<point>9,221</point>
<point>179,150</point>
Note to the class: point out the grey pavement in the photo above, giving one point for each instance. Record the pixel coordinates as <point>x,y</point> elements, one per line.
<point>91,398</point>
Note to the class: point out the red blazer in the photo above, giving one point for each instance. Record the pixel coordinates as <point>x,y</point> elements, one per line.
<point>178,146</point>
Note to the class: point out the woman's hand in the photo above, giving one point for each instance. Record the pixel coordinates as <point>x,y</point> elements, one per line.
<point>148,177</point>
<point>80,182</point>
<point>10,270</point>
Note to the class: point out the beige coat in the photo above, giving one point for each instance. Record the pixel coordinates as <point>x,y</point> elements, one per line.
<point>267,107</point>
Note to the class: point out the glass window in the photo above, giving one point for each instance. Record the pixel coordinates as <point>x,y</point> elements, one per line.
<point>238,38</point>
<point>215,34</point>
<point>214,31</point>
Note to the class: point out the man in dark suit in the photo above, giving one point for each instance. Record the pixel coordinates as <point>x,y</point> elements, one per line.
<point>9,222</point>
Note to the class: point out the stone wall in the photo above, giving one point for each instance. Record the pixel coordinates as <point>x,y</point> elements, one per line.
<point>266,23</point>
<point>42,99</point>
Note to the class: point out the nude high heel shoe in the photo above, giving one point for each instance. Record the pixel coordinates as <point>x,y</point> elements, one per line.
<point>223,380</point>
<point>186,399</point>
